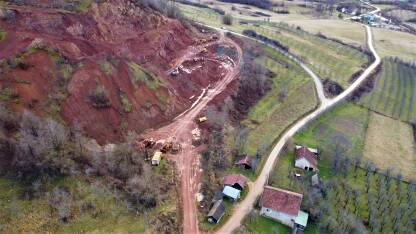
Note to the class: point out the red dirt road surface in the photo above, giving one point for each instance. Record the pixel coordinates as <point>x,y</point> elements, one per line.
<point>180,130</point>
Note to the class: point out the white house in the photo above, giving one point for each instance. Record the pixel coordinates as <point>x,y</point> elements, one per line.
<point>280,205</point>
<point>306,158</point>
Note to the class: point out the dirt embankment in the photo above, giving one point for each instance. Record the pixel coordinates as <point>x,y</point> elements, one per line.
<point>104,71</point>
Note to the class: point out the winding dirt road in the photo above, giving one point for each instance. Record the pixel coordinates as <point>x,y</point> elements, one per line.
<point>244,207</point>
<point>180,130</point>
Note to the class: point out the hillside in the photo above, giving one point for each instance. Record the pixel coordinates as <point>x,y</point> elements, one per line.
<point>104,71</point>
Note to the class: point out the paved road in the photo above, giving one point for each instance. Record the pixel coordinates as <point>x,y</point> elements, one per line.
<point>245,206</point>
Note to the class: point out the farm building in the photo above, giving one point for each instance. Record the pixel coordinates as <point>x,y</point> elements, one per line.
<point>217,196</point>
<point>235,181</point>
<point>245,162</point>
<point>216,212</point>
<point>231,193</point>
<point>315,180</point>
<point>281,205</point>
<point>306,158</point>
<point>157,156</point>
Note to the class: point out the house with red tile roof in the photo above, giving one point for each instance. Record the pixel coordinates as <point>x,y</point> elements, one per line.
<point>235,181</point>
<point>306,158</point>
<point>280,205</point>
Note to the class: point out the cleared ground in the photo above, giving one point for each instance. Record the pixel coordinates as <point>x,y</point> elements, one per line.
<point>389,144</point>
<point>393,43</point>
<point>393,94</point>
<point>346,31</point>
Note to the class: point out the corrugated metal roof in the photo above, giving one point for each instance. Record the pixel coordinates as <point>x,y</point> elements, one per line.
<point>302,218</point>
<point>231,192</point>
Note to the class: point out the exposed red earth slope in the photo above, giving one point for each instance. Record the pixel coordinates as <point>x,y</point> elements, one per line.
<point>53,61</point>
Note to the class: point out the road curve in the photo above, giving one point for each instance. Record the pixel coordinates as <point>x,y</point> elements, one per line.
<point>245,206</point>
<point>318,84</point>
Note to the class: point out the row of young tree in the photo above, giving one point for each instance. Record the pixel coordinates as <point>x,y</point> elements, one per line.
<point>359,198</point>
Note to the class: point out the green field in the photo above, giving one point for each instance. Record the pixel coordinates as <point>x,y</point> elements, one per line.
<point>352,193</point>
<point>393,94</point>
<point>343,127</point>
<point>389,43</point>
<point>327,58</point>
<point>257,224</point>
<point>277,109</point>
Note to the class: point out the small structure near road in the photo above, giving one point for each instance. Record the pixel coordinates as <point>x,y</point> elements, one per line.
<point>306,158</point>
<point>231,193</point>
<point>280,205</point>
<point>245,162</point>
<point>315,180</point>
<point>157,156</point>
<point>235,181</point>
<point>216,212</point>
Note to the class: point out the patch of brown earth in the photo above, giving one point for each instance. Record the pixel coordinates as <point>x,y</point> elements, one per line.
<point>115,33</point>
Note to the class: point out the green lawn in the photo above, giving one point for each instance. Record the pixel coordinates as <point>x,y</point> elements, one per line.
<point>344,125</point>
<point>257,224</point>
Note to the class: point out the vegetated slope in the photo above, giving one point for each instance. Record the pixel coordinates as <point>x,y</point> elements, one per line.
<point>393,93</point>
<point>104,71</point>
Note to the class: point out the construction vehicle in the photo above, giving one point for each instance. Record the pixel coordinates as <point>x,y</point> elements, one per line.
<point>202,119</point>
<point>203,51</point>
<point>157,156</point>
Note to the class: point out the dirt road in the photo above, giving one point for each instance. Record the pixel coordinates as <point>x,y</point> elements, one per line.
<point>244,207</point>
<point>180,129</point>
<point>318,84</point>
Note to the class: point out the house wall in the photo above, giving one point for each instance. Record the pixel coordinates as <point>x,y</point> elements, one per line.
<point>284,218</point>
<point>302,163</point>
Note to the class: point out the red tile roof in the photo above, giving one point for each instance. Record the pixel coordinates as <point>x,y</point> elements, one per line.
<point>235,179</point>
<point>281,200</point>
<point>304,152</point>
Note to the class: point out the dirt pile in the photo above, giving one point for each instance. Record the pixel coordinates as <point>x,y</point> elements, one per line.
<point>104,71</point>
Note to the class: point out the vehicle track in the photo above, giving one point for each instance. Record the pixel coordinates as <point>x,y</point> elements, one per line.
<point>180,129</point>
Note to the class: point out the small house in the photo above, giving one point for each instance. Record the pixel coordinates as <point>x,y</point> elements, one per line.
<point>245,162</point>
<point>280,205</point>
<point>235,181</point>
<point>216,212</point>
<point>231,193</point>
<point>315,180</point>
<point>157,156</point>
<point>306,158</point>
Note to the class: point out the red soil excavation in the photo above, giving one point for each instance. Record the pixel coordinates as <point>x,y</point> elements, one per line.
<point>190,70</point>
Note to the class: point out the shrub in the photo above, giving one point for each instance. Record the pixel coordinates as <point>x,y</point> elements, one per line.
<point>227,19</point>
<point>99,97</point>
